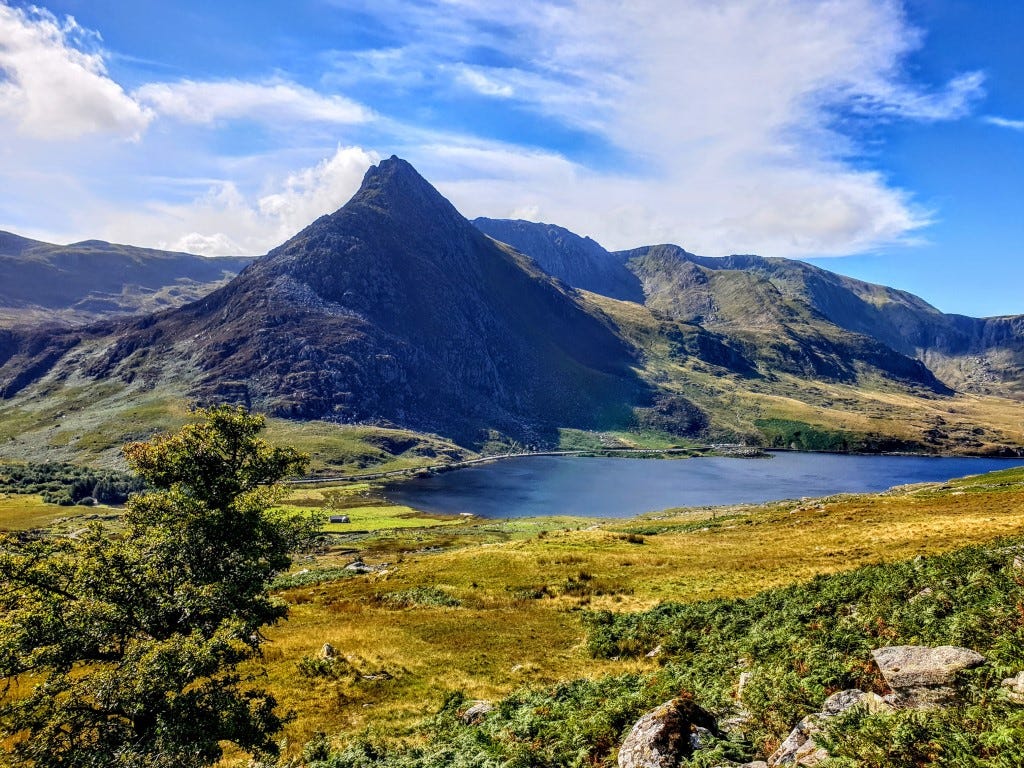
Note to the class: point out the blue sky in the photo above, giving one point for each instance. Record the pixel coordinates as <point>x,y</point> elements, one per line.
<point>880,139</point>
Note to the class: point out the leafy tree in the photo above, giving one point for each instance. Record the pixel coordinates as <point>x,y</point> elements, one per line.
<point>124,650</point>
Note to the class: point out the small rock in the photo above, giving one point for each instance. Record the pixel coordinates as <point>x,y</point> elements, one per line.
<point>654,653</point>
<point>922,677</point>
<point>742,684</point>
<point>477,711</point>
<point>665,735</point>
<point>358,566</point>
<point>1015,688</point>
<point>799,747</point>
<point>328,652</point>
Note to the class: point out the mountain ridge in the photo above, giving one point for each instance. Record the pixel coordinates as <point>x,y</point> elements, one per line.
<point>91,280</point>
<point>396,311</point>
<point>393,308</point>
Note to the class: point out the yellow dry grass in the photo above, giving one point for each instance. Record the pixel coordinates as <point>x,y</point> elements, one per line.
<point>499,639</point>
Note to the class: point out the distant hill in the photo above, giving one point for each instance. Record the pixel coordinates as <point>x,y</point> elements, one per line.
<point>790,315</point>
<point>83,282</point>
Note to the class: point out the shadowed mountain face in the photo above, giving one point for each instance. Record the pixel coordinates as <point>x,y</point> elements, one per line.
<point>394,308</point>
<point>576,261</point>
<point>82,282</point>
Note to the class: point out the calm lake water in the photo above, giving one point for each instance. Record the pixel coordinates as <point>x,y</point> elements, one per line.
<point>612,487</point>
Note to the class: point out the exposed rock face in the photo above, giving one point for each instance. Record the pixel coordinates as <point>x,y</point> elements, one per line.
<point>394,308</point>
<point>576,261</point>
<point>922,677</point>
<point>665,735</point>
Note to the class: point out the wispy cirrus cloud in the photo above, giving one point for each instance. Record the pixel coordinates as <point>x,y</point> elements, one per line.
<point>206,102</point>
<point>1004,122</point>
<point>721,124</point>
<point>724,112</point>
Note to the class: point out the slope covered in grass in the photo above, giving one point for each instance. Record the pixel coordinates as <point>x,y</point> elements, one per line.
<point>798,644</point>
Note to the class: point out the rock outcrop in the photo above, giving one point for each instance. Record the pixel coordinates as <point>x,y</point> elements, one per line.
<point>1014,687</point>
<point>476,712</point>
<point>922,677</point>
<point>665,735</point>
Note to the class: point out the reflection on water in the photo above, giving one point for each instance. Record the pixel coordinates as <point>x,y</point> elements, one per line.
<point>609,487</point>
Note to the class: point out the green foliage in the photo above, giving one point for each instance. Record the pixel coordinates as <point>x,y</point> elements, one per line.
<point>430,597</point>
<point>310,578</point>
<point>67,484</point>
<point>784,433</point>
<point>124,651</point>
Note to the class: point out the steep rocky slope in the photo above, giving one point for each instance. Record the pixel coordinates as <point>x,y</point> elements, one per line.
<point>787,315</point>
<point>576,261</point>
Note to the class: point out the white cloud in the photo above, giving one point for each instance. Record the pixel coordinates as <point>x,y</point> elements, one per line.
<point>52,89</point>
<point>722,126</point>
<point>207,102</point>
<point>229,221</point>
<point>476,80</point>
<point>1003,122</point>
<point>722,115</point>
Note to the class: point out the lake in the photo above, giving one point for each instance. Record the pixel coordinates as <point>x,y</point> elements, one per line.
<point>621,487</point>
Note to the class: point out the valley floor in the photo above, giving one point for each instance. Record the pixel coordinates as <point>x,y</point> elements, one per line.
<point>483,608</point>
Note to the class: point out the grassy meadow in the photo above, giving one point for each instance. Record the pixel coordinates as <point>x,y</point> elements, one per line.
<point>484,608</point>
<point>472,608</point>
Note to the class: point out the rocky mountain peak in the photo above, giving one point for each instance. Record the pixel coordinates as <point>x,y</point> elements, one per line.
<point>395,187</point>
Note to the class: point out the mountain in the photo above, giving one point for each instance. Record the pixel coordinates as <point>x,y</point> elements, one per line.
<point>393,309</point>
<point>790,315</point>
<point>576,261</point>
<point>82,282</point>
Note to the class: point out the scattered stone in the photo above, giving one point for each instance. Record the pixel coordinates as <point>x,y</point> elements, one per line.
<point>358,566</point>
<point>923,677</point>
<point>799,747</point>
<point>328,652</point>
<point>1015,688</point>
<point>742,684</point>
<point>476,712</point>
<point>910,666</point>
<point>666,735</point>
<point>654,653</point>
